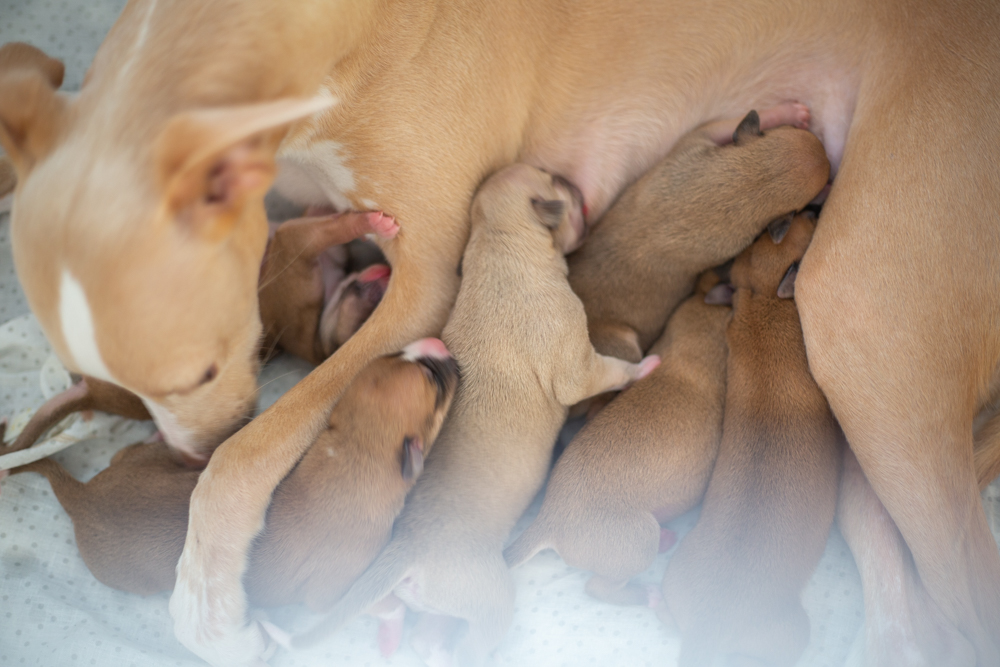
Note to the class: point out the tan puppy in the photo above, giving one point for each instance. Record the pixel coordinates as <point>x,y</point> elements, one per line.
<point>131,185</point>
<point>643,460</point>
<point>308,305</point>
<point>697,208</point>
<point>733,586</point>
<point>327,519</point>
<point>519,335</point>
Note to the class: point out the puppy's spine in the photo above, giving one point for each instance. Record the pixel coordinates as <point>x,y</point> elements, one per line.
<point>380,579</point>
<point>527,544</point>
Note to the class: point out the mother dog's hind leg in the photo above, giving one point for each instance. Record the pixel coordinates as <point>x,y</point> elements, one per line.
<point>898,296</point>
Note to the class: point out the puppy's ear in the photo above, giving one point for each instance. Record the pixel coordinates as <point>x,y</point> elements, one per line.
<point>31,112</point>
<point>550,211</point>
<point>748,127</point>
<point>413,459</point>
<point>778,228</point>
<point>786,288</point>
<point>211,161</point>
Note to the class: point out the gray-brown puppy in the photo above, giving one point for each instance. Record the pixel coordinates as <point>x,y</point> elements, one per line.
<point>733,587</point>
<point>643,460</point>
<point>701,205</point>
<point>520,336</point>
<point>328,518</point>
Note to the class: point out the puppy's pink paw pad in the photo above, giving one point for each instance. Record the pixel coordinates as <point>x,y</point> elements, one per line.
<point>668,539</point>
<point>382,224</point>
<point>795,114</point>
<point>390,636</point>
<point>647,366</point>
<point>654,598</point>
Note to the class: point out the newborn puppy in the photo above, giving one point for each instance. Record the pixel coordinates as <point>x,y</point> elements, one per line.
<point>327,519</point>
<point>701,205</point>
<point>520,336</point>
<point>643,460</point>
<point>733,586</point>
<point>87,393</point>
<point>307,304</point>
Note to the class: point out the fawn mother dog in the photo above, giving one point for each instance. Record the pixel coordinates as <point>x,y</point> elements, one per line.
<point>138,224</point>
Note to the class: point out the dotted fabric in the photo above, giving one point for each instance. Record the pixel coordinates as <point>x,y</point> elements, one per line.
<point>54,613</point>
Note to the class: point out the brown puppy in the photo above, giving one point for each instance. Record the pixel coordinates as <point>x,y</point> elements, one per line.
<point>87,394</point>
<point>327,519</point>
<point>519,334</point>
<point>733,586</point>
<point>700,206</point>
<point>303,287</point>
<point>643,460</point>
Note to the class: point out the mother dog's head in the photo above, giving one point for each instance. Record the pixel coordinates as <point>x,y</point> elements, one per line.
<point>142,263</point>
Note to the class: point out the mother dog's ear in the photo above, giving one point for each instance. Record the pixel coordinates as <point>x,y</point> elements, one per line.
<point>210,161</point>
<point>30,109</point>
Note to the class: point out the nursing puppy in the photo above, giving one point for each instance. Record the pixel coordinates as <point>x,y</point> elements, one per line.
<point>701,205</point>
<point>519,334</point>
<point>643,460</point>
<point>733,586</point>
<point>309,305</point>
<point>327,519</point>
<point>171,142</point>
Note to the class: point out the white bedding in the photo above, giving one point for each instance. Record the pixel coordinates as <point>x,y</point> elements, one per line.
<point>54,613</point>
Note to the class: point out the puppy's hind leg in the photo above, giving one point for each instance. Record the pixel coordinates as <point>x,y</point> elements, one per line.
<point>478,590</point>
<point>603,374</point>
<point>619,546</point>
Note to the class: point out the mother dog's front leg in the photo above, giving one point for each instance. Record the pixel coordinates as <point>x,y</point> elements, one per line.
<point>229,504</point>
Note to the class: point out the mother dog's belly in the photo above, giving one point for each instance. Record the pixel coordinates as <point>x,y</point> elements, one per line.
<point>616,143</point>
<point>609,142</point>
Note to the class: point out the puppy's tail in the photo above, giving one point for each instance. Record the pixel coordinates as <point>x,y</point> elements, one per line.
<point>66,487</point>
<point>527,544</point>
<point>382,576</point>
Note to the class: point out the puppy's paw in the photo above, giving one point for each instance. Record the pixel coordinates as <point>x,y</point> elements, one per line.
<point>390,633</point>
<point>647,366</point>
<point>383,225</point>
<point>668,539</point>
<point>654,596</point>
<point>789,113</point>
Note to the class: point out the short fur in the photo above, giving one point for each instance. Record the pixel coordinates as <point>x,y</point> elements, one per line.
<point>897,293</point>
<point>733,586</point>
<point>327,519</point>
<point>700,206</point>
<point>644,459</point>
<point>519,334</point>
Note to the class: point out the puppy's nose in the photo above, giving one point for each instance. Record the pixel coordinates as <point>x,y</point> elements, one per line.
<point>431,348</point>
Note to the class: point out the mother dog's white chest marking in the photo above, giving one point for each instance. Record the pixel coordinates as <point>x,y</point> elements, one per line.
<point>78,328</point>
<point>316,173</point>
